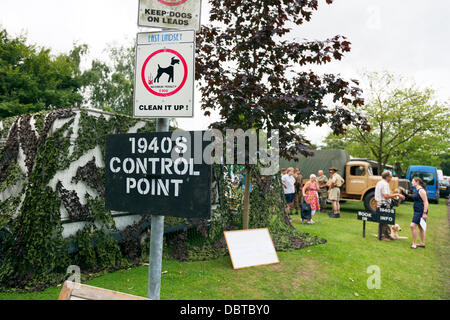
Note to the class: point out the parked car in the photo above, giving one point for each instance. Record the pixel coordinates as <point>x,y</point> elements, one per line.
<point>429,175</point>
<point>440,174</point>
<point>444,188</point>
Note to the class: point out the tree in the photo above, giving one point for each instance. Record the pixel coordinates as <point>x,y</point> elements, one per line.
<point>354,148</point>
<point>110,86</point>
<point>426,149</point>
<point>409,126</point>
<point>32,79</point>
<point>445,164</point>
<point>257,79</point>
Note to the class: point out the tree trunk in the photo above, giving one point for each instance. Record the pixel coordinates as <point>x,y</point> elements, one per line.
<point>380,167</point>
<point>398,169</point>
<point>246,209</point>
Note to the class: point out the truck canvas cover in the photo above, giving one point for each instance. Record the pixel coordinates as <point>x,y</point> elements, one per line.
<point>321,160</point>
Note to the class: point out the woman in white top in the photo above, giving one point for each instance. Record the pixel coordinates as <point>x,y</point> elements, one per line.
<point>288,182</point>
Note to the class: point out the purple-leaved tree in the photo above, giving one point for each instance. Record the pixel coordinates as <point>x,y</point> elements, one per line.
<point>256,78</point>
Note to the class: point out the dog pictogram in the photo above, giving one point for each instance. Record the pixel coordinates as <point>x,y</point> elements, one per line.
<point>169,70</point>
<point>169,80</point>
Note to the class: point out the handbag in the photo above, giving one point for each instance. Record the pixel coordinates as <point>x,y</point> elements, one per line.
<point>306,211</point>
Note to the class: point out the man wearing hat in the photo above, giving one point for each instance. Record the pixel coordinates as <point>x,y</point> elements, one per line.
<point>334,193</point>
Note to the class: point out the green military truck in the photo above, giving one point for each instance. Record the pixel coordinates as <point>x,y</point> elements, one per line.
<point>360,181</point>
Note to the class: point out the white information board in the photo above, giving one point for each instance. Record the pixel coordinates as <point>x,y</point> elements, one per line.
<point>250,248</point>
<point>164,78</point>
<point>172,14</point>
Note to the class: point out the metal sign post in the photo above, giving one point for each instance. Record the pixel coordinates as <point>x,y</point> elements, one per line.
<point>149,173</point>
<point>164,87</point>
<point>156,239</point>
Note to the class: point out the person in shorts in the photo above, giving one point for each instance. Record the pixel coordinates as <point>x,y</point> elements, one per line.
<point>420,212</point>
<point>334,192</point>
<point>288,182</point>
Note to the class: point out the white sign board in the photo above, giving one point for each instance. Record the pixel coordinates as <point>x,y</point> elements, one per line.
<point>172,14</point>
<point>250,248</point>
<point>164,78</point>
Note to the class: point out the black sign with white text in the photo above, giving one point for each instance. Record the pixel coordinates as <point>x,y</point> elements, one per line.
<point>367,216</point>
<point>386,216</point>
<point>382,215</point>
<point>142,176</point>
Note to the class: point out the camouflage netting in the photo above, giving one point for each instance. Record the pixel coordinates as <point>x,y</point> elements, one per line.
<point>52,211</point>
<point>322,160</point>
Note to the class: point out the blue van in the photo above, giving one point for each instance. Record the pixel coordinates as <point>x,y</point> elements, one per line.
<point>429,176</point>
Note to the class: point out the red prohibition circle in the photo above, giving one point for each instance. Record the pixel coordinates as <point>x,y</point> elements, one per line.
<point>172,3</point>
<point>182,82</point>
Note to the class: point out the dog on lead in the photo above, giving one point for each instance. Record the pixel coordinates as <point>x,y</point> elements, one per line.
<point>394,232</point>
<point>169,70</point>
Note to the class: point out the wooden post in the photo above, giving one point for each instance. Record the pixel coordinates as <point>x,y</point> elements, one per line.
<point>364,228</point>
<point>380,229</point>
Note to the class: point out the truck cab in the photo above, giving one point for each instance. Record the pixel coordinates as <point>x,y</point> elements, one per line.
<point>429,175</point>
<point>360,184</point>
<point>357,176</point>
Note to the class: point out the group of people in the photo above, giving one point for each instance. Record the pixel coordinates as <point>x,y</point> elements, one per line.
<point>384,197</point>
<point>314,192</point>
<point>318,189</point>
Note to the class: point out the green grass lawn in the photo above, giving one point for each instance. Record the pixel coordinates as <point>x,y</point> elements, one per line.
<point>335,270</point>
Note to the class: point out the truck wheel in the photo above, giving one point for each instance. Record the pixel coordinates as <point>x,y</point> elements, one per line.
<point>369,202</point>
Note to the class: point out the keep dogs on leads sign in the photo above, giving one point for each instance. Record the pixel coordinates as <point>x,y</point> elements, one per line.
<point>171,14</point>
<point>164,77</point>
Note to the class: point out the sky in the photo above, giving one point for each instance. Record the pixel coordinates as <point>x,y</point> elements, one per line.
<point>406,37</point>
